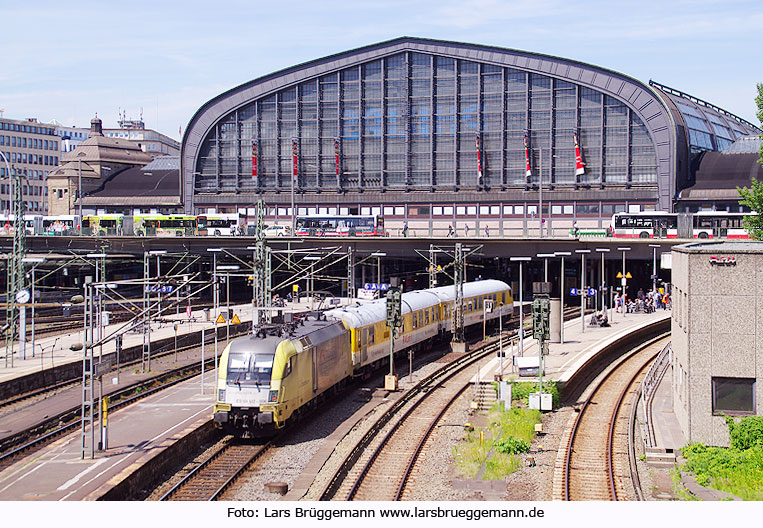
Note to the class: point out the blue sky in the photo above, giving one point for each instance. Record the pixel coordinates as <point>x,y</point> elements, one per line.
<point>69,60</point>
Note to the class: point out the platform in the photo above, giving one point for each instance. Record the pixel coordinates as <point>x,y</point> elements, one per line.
<point>564,359</point>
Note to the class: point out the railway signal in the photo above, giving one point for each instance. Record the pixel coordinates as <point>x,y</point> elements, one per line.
<point>394,321</point>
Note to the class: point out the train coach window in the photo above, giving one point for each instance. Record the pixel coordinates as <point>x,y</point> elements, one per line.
<point>426,317</point>
<point>415,320</point>
<point>287,368</point>
<point>371,335</point>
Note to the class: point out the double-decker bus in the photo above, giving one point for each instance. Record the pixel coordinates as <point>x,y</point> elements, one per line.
<point>164,225</point>
<point>103,224</point>
<point>340,225</point>
<point>218,224</point>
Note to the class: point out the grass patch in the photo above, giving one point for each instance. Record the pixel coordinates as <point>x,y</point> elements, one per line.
<point>520,391</point>
<point>496,447</point>
<point>735,471</point>
<point>678,487</point>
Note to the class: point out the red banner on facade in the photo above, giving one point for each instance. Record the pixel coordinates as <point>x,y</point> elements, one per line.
<point>336,155</point>
<point>528,172</point>
<point>294,160</point>
<point>579,167</point>
<point>254,158</point>
<point>479,159</point>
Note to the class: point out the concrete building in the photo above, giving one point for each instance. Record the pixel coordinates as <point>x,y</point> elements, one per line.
<point>94,162</point>
<point>717,326</point>
<point>71,136</point>
<point>150,141</point>
<point>434,133</point>
<point>32,149</point>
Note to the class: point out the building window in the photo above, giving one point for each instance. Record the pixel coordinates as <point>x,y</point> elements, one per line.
<point>734,395</point>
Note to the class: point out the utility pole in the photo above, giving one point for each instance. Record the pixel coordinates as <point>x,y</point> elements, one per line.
<point>16,274</point>
<point>457,323</point>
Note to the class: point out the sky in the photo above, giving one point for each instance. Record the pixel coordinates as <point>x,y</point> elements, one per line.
<point>69,61</point>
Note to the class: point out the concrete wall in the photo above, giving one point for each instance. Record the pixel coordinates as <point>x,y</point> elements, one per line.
<point>717,332</point>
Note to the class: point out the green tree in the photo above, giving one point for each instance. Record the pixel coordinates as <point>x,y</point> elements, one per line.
<point>753,197</point>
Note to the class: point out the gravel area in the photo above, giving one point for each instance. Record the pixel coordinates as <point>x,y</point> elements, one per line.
<point>286,461</point>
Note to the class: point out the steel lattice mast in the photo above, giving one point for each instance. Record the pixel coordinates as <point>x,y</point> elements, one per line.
<point>15,266</point>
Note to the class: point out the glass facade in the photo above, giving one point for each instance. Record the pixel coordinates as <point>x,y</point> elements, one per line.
<point>420,121</point>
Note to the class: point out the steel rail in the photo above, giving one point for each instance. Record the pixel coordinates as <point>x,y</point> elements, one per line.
<point>568,457</point>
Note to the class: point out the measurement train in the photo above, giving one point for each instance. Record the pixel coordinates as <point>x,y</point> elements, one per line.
<point>266,381</point>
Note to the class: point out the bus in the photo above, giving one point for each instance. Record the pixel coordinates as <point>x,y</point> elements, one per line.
<point>60,225</point>
<point>218,224</point>
<point>103,224</point>
<point>656,224</point>
<point>650,224</point>
<point>714,224</point>
<point>340,225</point>
<point>8,224</point>
<point>164,225</point>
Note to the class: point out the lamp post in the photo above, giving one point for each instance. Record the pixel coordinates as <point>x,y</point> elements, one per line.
<point>561,293</point>
<point>654,265</point>
<point>158,253</point>
<point>545,257</point>
<point>378,255</point>
<point>624,280</point>
<point>227,270</point>
<point>603,292</point>
<point>500,336</point>
<point>34,261</point>
<point>521,304</point>
<point>310,279</point>
<point>582,253</point>
<point>215,298</point>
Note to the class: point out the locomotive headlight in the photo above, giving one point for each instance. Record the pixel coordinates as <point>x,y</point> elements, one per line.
<point>221,395</point>
<point>273,396</point>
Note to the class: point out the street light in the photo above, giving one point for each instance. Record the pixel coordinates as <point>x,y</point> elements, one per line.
<point>561,293</point>
<point>521,305</point>
<point>654,266</point>
<point>378,255</point>
<point>215,298</point>
<point>34,261</point>
<point>227,269</point>
<point>623,277</point>
<point>582,253</point>
<point>603,291</point>
<point>310,278</point>
<point>545,257</point>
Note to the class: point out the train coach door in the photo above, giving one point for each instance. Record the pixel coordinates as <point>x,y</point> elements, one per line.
<point>364,345</point>
<point>315,358</point>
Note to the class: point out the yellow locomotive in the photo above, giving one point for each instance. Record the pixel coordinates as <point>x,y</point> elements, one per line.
<point>266,380</point>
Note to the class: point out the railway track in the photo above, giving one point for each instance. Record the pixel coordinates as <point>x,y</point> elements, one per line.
<point>597,464</point>
<point>212,477</point>
<point>379,466</point>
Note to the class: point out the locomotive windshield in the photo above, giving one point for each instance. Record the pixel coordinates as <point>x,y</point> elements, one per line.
<point>249,369</point>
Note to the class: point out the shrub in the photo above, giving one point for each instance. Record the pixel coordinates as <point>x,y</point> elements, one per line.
<point>512,446</point>
<point>746,433</point>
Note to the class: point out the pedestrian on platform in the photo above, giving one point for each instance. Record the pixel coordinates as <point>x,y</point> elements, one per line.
<point>451,233</point>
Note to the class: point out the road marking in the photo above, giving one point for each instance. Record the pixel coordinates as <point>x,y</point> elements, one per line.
<point>74,479</point>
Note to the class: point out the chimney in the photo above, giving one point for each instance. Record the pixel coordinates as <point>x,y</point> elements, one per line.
<point>96,128</point>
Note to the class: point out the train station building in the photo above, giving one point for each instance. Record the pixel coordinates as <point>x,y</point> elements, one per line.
<point>436,133</point>
<point>717,336</point>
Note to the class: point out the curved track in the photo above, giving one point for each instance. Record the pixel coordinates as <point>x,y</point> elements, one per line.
<point>380,464</point>
<point>597,463</point>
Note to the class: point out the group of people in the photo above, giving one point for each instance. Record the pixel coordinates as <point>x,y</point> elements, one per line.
<point>452,232</point>
<point>643,302</point>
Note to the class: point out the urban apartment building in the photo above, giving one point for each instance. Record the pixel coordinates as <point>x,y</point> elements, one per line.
<point>150,141</point>
<point>31,148</point>
<point>436,133</point>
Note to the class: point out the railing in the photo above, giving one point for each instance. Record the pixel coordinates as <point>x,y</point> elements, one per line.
<point>652,379</point>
